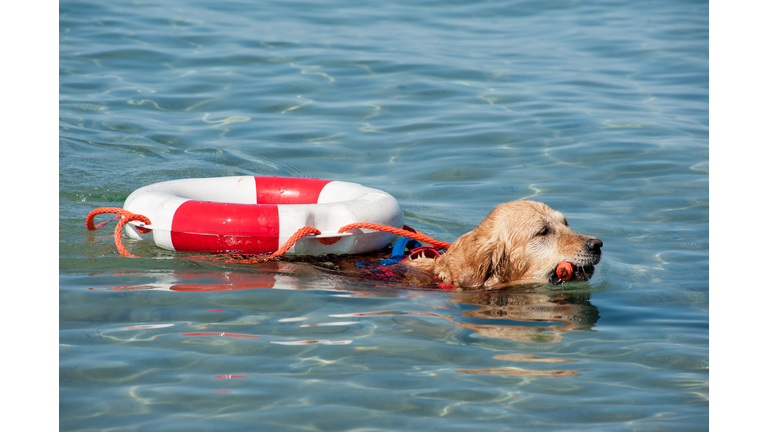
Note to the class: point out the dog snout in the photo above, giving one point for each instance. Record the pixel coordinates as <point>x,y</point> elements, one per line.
<point>594,244</point>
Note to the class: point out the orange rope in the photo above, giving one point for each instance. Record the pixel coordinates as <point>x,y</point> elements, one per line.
<point>240,259</point>
<point>405,232</point>
<point>247,259</point>
<point>291,241</point>
<point>126,217</point>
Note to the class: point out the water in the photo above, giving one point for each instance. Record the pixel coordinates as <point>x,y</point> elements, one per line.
<point>599,109</point>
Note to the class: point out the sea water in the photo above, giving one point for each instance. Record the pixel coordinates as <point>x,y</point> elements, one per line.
<point>598,109</point>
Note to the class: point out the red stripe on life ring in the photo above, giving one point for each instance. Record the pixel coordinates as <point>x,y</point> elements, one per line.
<point>288,190</point>
<point>204,226</point>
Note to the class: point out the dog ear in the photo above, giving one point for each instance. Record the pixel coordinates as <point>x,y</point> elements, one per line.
<point>499,262</point>
<point>507,260</point>
<point>502,241</point>
<point>478,269</point>
<point>463,263</point>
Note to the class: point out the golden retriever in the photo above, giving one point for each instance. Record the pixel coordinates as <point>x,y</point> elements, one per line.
<point>518,242</point>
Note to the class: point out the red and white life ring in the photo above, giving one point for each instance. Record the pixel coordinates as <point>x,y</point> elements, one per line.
<point>257,215</point>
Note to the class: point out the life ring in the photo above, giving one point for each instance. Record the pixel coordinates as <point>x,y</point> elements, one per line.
<point>256,215</point>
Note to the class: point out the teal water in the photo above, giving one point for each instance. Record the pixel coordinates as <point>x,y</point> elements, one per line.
<point>599,109</point>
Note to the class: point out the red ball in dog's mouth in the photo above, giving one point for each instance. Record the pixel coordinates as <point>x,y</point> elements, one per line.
<point>564,270</point>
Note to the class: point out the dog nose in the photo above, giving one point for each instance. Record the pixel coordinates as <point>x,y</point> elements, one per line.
<point>594,244</point>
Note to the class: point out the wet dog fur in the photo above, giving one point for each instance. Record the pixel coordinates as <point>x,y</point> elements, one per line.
<point>518,242</point>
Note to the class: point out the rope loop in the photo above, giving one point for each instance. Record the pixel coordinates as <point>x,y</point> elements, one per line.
<point>126,216</point>
<point>114,210</point>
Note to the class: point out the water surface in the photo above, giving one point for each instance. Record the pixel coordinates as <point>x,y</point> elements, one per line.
<point>599,109</point>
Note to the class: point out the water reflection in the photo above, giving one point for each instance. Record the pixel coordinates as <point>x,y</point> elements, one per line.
<point>528,314</point>
<point>534,314</point>
<point>199,282</point>
<point>520,372</point>
<point>564,312</point>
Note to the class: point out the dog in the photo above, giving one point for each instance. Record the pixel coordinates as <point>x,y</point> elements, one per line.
<point>518,242</point>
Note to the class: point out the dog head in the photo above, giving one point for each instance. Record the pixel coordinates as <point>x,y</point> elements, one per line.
<point>518,241</point>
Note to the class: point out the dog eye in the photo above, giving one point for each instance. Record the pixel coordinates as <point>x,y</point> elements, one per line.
<point>544,231</point>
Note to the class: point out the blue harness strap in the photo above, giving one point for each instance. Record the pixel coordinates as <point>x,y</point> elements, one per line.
<point>382,270</point>
<point>398,253</point>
